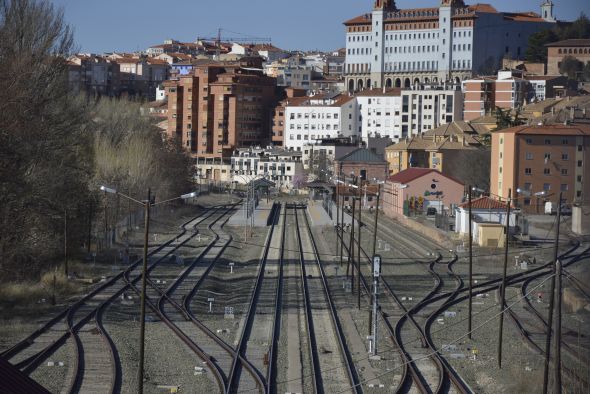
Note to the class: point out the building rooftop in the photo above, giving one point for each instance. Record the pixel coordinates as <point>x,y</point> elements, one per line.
<point>361,155</point>
<point>573,42</point>
<point>411,174</point>
<point>431,14</point>
<point>484,202</point>
<point>380,92</point>
<point>573,129</point>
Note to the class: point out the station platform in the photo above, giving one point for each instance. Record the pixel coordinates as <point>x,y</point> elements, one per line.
<point>319,216</point>
<point>261,215</point>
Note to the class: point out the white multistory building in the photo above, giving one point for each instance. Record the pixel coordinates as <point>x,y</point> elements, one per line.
<point>393,113</point>
<point>324,116</point>
<point>399,113</point>
<point>399,48</point>
<point>277,165</point>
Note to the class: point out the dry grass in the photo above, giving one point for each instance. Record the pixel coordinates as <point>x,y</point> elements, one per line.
<point>27,293</point>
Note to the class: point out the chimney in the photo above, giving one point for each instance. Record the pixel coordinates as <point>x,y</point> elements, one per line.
<point>572,113</point>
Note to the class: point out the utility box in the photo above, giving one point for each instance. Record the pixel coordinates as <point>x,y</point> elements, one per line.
<point>581,220</point>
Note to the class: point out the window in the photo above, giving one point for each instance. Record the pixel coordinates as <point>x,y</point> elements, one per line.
<point>579,163</point>
<point>528,171</point>
<point>564,156</point>
<point>564,171</point>
<point>579,178</point>
<point>529,156</point>
<point>529,141</point>
<point>564,141</point>
<point>528,186</point>
<point>546,186</point>
<point>547,141</point>
<point>547,156</point>
<point>527,201</point>
<point>580,148</point>
<point>564,187</point>
<point>547,171</point>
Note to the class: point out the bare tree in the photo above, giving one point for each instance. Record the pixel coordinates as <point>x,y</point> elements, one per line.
<point>44,148</point>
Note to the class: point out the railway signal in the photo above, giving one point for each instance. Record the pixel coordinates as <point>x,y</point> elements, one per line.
<point>231,268</point>
<point>210,301</point>
<point>376,274</point>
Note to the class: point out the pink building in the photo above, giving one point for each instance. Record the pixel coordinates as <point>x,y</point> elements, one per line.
<point>414,190</point>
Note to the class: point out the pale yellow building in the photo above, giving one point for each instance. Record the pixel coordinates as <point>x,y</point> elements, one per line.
<point>490,235</point>
<point>447,149</point>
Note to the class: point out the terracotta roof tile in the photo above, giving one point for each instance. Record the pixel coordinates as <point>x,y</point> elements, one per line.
<point>575,129</point>
<point>484,203</point>
<point>574,42</point>
<point>410,174</point>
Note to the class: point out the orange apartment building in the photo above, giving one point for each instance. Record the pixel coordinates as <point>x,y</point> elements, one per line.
<point>556,51</point>
<point>479,97</point>
<point>221,106</point>
<point>552,158</point>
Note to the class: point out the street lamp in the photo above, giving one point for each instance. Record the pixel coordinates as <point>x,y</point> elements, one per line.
<point>147,204</point>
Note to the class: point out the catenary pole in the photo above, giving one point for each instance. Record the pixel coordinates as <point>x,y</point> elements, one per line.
<point>551,302</point>
<point>503,288</point>
<point>469,321</point>
<point>143,290</point>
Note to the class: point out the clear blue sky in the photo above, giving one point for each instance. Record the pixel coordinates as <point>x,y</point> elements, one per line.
<point>128,25</point>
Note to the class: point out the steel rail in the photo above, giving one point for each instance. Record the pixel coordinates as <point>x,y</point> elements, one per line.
<point>352,373</point>
<point>316,375</point>
<point>276,324</point>
<point>250,314</point>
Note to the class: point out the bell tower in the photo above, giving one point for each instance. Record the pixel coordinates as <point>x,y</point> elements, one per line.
<point>547,11</point>
<point>385,5</point>
<point>377,41</point>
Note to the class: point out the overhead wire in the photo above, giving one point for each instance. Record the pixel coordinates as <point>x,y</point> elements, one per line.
<point>456,340</point>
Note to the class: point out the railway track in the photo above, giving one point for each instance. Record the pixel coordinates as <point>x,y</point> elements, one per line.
<point>422,368</point>
<point>175,308</point>
<point>447,299</point>
<point>94,358</point>
<point>257,338</point>
<point>322,295</point>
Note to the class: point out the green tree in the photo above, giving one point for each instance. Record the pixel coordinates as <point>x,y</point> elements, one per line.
<point>580,28</point>
<point>536,51</point>
<point>571,67</point>
<point>506,118</point>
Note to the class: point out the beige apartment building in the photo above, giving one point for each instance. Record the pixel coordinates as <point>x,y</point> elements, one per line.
<point>557,51</point>
<point>552,159</point>
<point>221,106</point>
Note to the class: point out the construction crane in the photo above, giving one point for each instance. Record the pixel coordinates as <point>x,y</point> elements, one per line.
<point>247,39</point>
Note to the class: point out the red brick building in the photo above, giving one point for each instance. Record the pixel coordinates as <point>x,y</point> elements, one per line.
<point>363,163</point>
<point>221,106</point>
